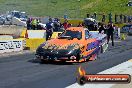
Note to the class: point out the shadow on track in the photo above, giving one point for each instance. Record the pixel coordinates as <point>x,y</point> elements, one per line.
<point>52,62</point>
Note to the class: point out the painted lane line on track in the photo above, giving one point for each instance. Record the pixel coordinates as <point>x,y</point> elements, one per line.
<point>123,68</point>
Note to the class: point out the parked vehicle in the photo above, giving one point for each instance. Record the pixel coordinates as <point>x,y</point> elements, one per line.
<point>127,29</point>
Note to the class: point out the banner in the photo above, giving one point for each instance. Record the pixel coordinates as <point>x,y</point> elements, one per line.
<point>10,45</point>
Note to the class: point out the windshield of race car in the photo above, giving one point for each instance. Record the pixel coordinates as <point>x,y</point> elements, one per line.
<point>70,34</point>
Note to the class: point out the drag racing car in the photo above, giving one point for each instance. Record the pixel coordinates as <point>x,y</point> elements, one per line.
<point>75,44</point>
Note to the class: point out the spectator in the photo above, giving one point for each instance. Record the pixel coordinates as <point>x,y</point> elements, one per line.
<point>95,28</point>
<point>88,15</point>
<point>102,28</point>
<point>37,24</point>
<point>31,19</point>
<point>34,24</point>
<point>125,19</point>
<point>110,17</point>
<point>119,32</point>
<point>110,31</point>
<point>116,18</point>
<point>92,16</point>
<point>115,31</point>
<point>99,24</point>
<point>69,25</point>
<point>91,27</point>
<point>95,15</point>
<point>28,22</point>
<point>129,19</point>
<point>121,17</point>
<point>103,18</point>
<point>65,24</point>
<point>56,26</point>
<point>50,19</point>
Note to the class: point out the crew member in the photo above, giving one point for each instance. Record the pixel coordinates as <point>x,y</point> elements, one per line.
<point>95,27</point>
<point>110,17</point>
<point>102,28</point>
<point>65,25</point>
<point>28,22</point>
<point>56,25</point>
<point>103,17</point>
<point>49,30</point>
<point>37,24</point>
<point>110,31</point>
<point>34,24</point>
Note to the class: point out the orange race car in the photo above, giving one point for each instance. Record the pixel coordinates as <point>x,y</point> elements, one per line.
<point>75,44</point>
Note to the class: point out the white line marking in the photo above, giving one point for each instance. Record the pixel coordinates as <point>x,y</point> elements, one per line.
<point>123,68</point>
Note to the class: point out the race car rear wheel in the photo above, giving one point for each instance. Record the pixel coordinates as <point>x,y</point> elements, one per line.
<point>93,57</point>
<point>42,59</point>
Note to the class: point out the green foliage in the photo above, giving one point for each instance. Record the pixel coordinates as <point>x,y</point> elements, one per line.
<point>73,8</point>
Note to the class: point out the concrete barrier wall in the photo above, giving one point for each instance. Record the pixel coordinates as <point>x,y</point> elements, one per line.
<point>35,38</point>
<point>11,30</point>
<point>11,45</point>
<point>33,43</point>
<point>36,34</point>
<point>5,37</point>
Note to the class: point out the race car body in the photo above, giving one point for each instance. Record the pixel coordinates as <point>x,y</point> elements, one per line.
<point>75,44</point>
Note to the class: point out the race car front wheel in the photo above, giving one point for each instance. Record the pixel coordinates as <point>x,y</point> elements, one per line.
<point>78,57</point>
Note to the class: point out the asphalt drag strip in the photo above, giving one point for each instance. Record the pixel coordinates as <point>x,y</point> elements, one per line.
<point>23,71</point>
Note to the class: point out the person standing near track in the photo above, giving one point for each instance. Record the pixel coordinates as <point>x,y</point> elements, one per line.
<point>110,31</point>
<point>102,29</point>
<point>34,23</point>
<point>49,29</point>
<point>65,24</point>
<point>110,17</point>
<point>28,22</point>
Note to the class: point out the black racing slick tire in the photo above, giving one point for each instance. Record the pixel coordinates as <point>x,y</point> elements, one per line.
<point>78,56</point>
<point>42,61</point>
